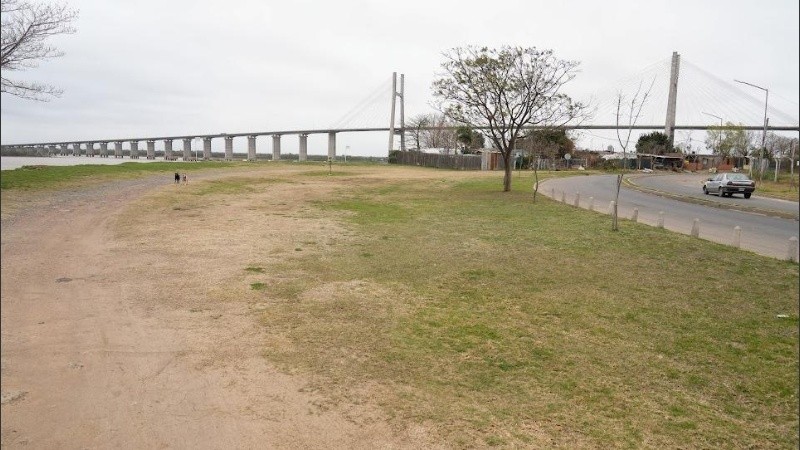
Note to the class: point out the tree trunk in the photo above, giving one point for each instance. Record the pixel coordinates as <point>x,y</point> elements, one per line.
<point>535,180</point>
<point>507,177</point>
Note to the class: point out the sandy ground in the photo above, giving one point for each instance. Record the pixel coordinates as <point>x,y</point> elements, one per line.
<point>116,333</point>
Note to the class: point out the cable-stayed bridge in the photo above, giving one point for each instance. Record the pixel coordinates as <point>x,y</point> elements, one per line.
<point>680,100</point>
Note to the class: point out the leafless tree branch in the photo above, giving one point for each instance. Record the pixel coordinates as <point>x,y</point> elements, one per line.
<point>26,26</point>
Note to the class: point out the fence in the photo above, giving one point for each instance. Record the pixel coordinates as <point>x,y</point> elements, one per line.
<point>555,163</point>
<point>457,162</point>
<point>493,161</point>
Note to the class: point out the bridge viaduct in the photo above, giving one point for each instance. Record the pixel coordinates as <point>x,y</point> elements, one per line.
<point>78,148</point>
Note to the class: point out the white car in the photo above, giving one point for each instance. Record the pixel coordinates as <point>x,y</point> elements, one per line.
<point>728,184</point>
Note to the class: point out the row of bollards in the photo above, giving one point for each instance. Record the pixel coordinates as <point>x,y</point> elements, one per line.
<point>791,253</point>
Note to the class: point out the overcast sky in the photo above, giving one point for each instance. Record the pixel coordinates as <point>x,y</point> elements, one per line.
<point>175,67</point>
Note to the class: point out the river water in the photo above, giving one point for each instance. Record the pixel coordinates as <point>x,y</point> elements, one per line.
<point>15,162</point>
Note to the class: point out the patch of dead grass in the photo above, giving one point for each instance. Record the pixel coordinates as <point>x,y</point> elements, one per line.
<point>493,321</point>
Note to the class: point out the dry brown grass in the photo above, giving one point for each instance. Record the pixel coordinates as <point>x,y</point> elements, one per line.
<point>484,318</point>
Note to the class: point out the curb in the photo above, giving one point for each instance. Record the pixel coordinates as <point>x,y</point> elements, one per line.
<point>628,180</point>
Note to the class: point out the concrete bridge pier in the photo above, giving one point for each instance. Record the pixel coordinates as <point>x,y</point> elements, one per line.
<point>187,149</point>
<point>168,150</point>
<point>63,150</point>
<point>276,147</point>
<point>251,148</point>
<point>206,149</point>
<point>104,149</point>
<point>52,150</point>
<point>331,145</point>
<point>90,149</point>
<point>303,147</point>
<point>134,149</point>
<point>118,149</point>
<point>151,149</point>
<point>76,149</point>
<point>228,148</point>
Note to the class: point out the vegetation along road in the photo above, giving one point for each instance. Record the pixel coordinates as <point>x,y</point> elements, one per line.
<point>762,234</point>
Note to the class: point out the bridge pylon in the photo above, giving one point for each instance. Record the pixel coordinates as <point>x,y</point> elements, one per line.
<point>395,95</point>
<point>669,127</point>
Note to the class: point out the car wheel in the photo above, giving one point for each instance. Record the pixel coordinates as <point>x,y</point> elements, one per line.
<point>747,195</point>
<point>705,191</point>
<point>721,192</point>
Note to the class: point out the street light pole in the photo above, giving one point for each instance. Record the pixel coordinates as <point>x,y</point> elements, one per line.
<point>719,135</point>
<point>764,135</point>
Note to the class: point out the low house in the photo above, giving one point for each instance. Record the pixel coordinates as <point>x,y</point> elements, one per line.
<point>667,161</point>
<point>720,163</point>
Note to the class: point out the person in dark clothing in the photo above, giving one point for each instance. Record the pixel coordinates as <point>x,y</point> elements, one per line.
<point>177,178</point>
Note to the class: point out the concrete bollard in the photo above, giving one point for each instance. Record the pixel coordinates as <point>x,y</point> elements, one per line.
<point>611,205</point>
<point>696,228</point>
<point>792,252</point>
<point>577,199</point>
<point>737,236</point>
<point>563,197</point>
<point>661,219</point>
<point>591,203</point>
<point>635,216</point>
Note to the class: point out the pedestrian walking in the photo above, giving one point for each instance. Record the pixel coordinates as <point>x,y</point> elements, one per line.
<point>177,178</point>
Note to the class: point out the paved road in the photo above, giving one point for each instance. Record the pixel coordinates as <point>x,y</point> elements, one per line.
<point>760,233</point>
<point>690,185</point>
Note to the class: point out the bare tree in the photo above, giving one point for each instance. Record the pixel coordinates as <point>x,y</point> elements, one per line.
<point>432,131</point>
<point>414,128</point>
<point>25,30</point>
<point>779,147</point>
<point>503,90</point>
<point>632,111</point>
<point>441,135</point>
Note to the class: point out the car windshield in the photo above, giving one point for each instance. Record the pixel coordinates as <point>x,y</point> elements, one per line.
<point>738,177</point>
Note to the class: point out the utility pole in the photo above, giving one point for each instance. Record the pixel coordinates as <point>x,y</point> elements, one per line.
<point>402,112</point>
<point>791,166</point>
<point>719,134</point>
<point>778,166</point>
<point>763,136</point>
<point>764,162</point>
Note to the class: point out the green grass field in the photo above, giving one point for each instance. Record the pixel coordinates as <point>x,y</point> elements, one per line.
<point>497,321</point>
<point>51,177</point>
<point>504,322</point>
<point>782,188</point>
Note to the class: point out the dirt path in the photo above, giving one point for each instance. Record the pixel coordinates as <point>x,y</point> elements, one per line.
<point>107,343</point>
